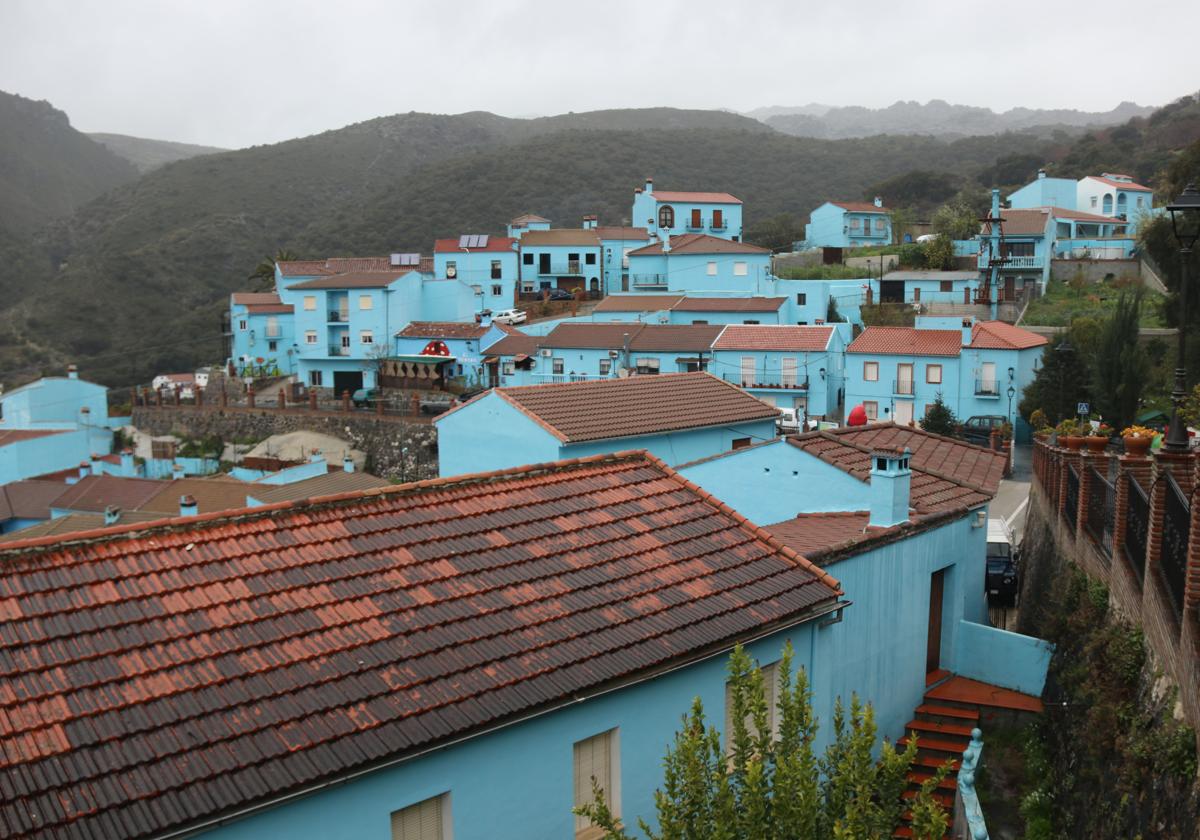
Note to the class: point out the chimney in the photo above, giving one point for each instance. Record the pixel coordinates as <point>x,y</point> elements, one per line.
<point>315,457</point>
<point>72,372</point>
<point>878,201</point>
<point>968,327</point>
<point>188,506</point>
<point>95,465</point>
<point>84,469</point>
<point>485,318</point>
<point>127,464</point>
<point>891,481</point>
<point>1041,174</point>
<point>649,186</point>
<point>347,464</point>
<point>666,242</point>
<point>637,191</point>
<point>176,471</point>
<point>112,514</point>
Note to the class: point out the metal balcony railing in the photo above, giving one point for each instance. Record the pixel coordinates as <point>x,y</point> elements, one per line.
<point>1012,262</point>
<point>339,317</point>
<point>648,281</point>
<point>719,224</point>
<point>567,269</point>
<point>766,379</point>
<point>903,387</point>
<point>987,388</point>
<point>335,350</point>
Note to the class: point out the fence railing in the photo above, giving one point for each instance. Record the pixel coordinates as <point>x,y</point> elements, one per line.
<point>987,388</point>
<point>1101,511</point>
<point>1177,517</point>
<point>903,387</point>
<point>1137,527</point>
<point>765,379</point>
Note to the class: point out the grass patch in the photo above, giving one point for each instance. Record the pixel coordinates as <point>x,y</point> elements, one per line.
<point>822,272</point>
<point>1064,302</point>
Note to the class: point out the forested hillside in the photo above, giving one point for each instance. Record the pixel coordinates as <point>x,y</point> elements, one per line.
<point>148,154</point>
<point>47,168</point>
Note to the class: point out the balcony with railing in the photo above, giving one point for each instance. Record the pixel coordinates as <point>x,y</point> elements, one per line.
<point>571,268</point>
<point>338,350</point>
<point>570,376</point>
<point>987,388</point>
<point>1011,261</point>
<point>719,224</point>
<point>339,316</point>
<point>903,387</point>
<point>648,281</point>
<point>767,379</point>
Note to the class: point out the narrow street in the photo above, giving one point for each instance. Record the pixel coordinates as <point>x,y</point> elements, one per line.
<point>1012,502</point>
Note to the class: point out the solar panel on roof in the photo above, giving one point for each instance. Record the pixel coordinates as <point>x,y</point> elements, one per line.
<point>464,241</point>
<point>483,240</point>
<point>409,259</point>
<point>395,259</point>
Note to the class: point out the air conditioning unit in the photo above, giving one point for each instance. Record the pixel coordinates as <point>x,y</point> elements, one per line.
<point>545,353</point>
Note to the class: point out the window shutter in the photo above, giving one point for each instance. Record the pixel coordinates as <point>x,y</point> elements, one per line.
<point>593,759</point>
<point>422,821</point>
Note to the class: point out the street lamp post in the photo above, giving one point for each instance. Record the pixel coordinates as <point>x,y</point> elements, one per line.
<point>1185,222</point>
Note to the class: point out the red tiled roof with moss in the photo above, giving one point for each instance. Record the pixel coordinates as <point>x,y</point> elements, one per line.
<point>157,676</point>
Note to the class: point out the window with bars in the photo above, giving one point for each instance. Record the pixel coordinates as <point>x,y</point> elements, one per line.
<point>595,763</point>
<point>422,821</point>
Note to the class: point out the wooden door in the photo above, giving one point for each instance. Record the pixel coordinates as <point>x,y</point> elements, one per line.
<point>933,647</point>
<point>1010,288</point>
<point>696,223</point>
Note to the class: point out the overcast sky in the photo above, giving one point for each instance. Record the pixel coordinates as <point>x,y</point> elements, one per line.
<point>239,72</point>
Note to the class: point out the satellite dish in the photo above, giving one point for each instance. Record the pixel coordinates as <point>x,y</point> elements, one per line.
<point>451,271</point>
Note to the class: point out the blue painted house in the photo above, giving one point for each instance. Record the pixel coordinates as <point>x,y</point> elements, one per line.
<point>677,417</point>
<point>672,213</point>
<point>691,309</point>
<point>1116,196</point>
<point>428,352</point>
<point>561,258</point>
<point>487,264</point>
<point>786,366</point>
<point>1045,192</point>
<point>1023,255</point>
<point>848,224</point>
<point>615,244</point>
<point>700,265</point>
<point>925,286</point>
<point>896,373</point>
<point>526,222</point>
<point>264,333</point>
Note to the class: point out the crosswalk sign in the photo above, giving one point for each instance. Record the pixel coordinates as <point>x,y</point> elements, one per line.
<point>1083,408</point>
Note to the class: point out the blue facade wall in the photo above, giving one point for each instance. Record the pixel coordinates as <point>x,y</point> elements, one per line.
<point>568,267</point>
<point>998,657</point>
<point>616,263</point>
<point>831,226</point>
<point>54,400</point>
<point>1045,192</point>
<point>475,268</point>
<point>647,209</point>
<point>269,337</point>
<point>36,456</point>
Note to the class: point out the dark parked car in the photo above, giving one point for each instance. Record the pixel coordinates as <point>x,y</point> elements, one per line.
<point>978,429</point>
<point>366,397</point>
<point>436,403</point>
<point>561,294</point>
<point>1002,578</point>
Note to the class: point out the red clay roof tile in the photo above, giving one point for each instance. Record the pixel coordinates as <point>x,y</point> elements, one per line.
<point>788,338</point>
<point>859,207</point>
<point>997,335</point>
<point>700,243</point>
<point>699,197</point>
<point>153,677</point>
<point>907,341</point>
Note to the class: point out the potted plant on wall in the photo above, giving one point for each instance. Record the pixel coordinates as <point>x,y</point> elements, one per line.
<point>1137,439</point>
<point>1069,434</point>
<point>1097,440</point>
<point>1040,424</point>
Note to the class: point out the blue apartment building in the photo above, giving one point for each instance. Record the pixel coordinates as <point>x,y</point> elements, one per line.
<point>978,368</point>
<point>264,336</point>
<point>561,258</point>
<point>616,243</point>
<point>700,264</point>
<point>486,264</point>
<point>848,224</point>
<point>785,366</point>
<point>672,213</point>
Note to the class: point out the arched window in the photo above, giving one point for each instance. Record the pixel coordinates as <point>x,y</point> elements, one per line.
<point>595,283</point>
<point>666,217</point>
<point>1108,204</point>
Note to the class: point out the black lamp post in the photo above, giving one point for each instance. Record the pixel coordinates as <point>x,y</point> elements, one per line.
<point>1185,222</point>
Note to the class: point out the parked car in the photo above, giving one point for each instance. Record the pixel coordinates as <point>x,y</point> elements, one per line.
<point>510,316</point>
<point>366,397</point>
<point>1003,578</point>
<point>561,294</point>
<point>789,421</point>
<point>978,429</point>
<point>436,403</point>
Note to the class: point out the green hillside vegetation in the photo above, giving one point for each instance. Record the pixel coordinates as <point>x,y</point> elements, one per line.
<point>47,168</point>
<point>148,154</point>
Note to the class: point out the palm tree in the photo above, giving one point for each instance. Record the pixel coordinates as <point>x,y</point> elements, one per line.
<point>264,272</point>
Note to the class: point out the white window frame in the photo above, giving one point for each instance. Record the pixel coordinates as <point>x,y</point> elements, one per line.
<point>558,366</point>
<point>497,289</point>
<point>870,371</point>
<point>310,337</point>
<point>310,303</point>
<point>314,378</point>
<point>346,340</point>
<point>428,819</point>
<point>366,337</point>
<point>242,325</point>
<point>712,268</point>
<point>584,753</point>
<point>365,302</point>
<point>741,268</point>
<point>508,368</point>
<point>789,368</point>
<point>871,407</point>
<point>605,367</point>
<point>647,365</point>
<point>930,372</point>
<point>748,370</point>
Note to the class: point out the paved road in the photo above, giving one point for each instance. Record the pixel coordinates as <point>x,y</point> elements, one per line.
<point>1012,502</point>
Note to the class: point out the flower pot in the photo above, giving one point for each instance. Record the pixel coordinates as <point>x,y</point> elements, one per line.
<point>1136,445</point>
<point>1073,442</point>
<point>1096,443</point>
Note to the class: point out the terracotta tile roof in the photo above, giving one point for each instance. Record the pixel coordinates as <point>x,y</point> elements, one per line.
<point>561,236</point>
<point>697,197</point>
<point>514,344</point>
<point>637,303</point>
<point>261,303</point>
<point>346,265</point>
<point>947,473</point>
<point>607,409</point>
<point>997,335</point>
<point>672,338</point>
<point>700,243</point>
<point>357,280</point>
<point>1077,215</point>
<point>727,304</point>
<point>11,436</point>
<point>817,532</point>
<point>96,492</point>
<point>592,336</point>
<point>637,234</point>
<point>527,218</point>
<point>249,298</point>
<point>337,481</point>
<point>158,677</point>
<point>1031,222</point>
<point>859,207</point>
<point>303,268</point>
<point>496,244</point>
<point>211,495</point>
<point>750,337</point>
<point>77,523</point>
<point>1124,185</point>
<point>907,341</point>
<point>443,329</point>
<point>29,499</point>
